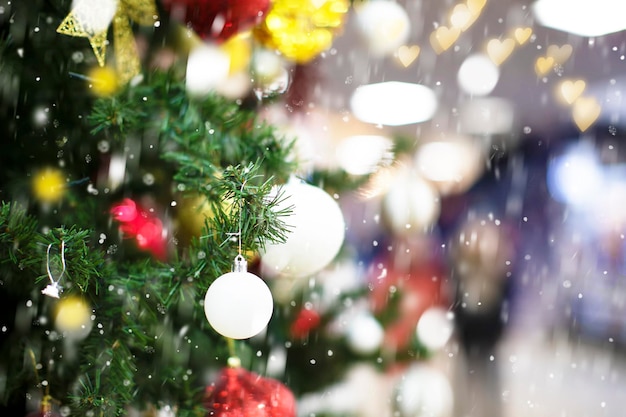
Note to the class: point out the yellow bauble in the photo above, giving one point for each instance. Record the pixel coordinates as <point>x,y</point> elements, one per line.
<point>104,81</point>
<point>239,49</point>
<point>302,29</point>
<point>193,211</point>
<point>73,317</point>
<point>49,185</point>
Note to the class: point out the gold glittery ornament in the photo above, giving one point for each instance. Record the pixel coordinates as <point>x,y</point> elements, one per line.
<point>302,29</point>
<point>92,21</point>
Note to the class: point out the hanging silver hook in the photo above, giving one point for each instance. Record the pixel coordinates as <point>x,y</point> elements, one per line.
<point>54,289</point>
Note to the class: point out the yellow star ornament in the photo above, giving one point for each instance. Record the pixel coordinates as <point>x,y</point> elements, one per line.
<point>91,19</point>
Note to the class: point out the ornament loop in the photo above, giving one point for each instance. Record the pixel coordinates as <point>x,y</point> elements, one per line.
<point>240,264</point>
<point>54,289</point>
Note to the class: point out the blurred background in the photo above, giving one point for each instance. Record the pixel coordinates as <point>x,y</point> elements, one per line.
<point>520,136</point>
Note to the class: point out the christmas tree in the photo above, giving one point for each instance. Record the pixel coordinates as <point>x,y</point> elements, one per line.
<point>170,246</point>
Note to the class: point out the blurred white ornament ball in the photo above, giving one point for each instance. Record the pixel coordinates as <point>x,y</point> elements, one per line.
<point>384,25</point>
<point>424,391</point>
<point>316,230</point>
<point>207,67</point>
<point>238,304</point>
<point>478,75</point>
<point>365,334</point>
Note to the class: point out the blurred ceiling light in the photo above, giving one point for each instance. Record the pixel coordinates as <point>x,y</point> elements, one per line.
<point>581,17</point>
<point>393,103</point>
<point>362,154</point>
<point>451,165</point>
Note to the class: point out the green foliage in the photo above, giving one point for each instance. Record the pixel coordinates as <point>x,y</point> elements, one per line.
<point>139,349</point>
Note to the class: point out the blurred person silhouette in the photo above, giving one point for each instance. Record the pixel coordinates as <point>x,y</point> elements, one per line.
<point>480,267</point>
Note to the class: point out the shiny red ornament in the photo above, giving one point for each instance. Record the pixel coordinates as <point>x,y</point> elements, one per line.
<point>240,393</point>
<point>306,321</point>
<point>218,19</point>
<point>140,224</point>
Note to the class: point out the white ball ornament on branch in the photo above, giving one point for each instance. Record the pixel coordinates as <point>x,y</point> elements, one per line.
<point>238,304</point>
<point>207,68</point>
<point>316,230</point>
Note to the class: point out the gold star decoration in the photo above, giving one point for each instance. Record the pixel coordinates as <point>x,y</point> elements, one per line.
<point>86,20</point>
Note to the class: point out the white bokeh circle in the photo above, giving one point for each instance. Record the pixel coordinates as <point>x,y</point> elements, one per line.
<point>364,334</point>
<point>478,75</point>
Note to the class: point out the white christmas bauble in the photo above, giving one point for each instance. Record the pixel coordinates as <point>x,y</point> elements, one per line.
<point>411,204</point>
<point>384,25</point>
<point>207,67</point>
<point>238,305</point>
<point>424,391</point>
<point>316,230</point>
<point>365,334</point>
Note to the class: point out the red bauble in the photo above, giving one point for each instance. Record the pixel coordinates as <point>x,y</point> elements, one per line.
<point>140,224</point>
<point>306,321</point>
<point>218,19</point>
<point>239,393</point>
